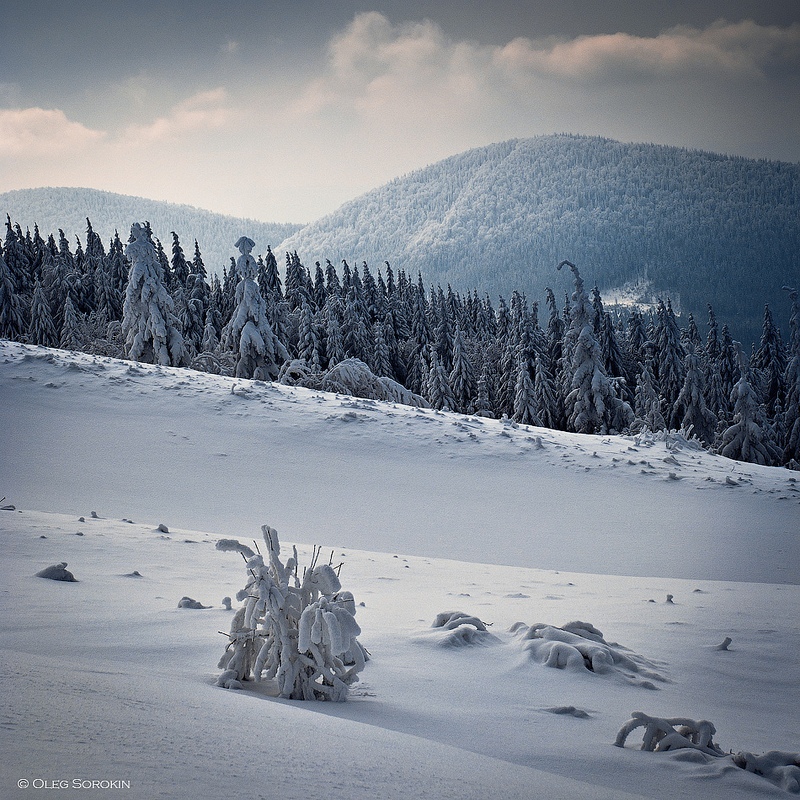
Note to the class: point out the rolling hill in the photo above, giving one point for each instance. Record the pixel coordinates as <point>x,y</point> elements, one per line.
<point>67,208</point>
<point>698,226</point>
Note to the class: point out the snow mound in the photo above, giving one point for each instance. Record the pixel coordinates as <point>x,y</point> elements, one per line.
<point>578,647</point>
<point>57,572</point>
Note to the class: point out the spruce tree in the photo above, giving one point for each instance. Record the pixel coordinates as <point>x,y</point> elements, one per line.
<point>791,418</point>
<point>524,397</point>
<point>770,361</point>
<point>591,406</point>
<point>749,437</point>
<point>259,352</point>
<point>149,325</point>
<point>690,405</point>
<point>437,391</point>
<point>12,319</point>
<point>647,402</point>
<point>71,337</point>
<point>41,329</point>
<point>462,376</point>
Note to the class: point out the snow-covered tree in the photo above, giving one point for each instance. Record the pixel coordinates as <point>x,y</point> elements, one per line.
<point>648,403</point>
<point>690,405</point>
<point>749,437</point>
<point>524,396</point>
<point>259,352</point>
<point>438,391</point>
<point>462,376</point>
<point>591,404</point>
<point>12,319</point>
<point>149,325</point>
<point>71,337</point>
<point>301,632</point>
<point>41,329</point>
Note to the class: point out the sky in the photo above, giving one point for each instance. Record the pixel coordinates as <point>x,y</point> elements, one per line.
<point>282,111</point>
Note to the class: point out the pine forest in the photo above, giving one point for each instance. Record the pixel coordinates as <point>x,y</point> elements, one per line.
<point>572,365</point>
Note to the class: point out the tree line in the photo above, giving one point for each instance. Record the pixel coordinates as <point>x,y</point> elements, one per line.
<point>573,365</point>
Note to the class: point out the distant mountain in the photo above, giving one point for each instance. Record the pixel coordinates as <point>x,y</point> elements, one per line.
<point>696,226</point>
<point>68,208</point>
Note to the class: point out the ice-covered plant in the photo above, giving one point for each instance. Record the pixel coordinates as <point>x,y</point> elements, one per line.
<point>299,631</point>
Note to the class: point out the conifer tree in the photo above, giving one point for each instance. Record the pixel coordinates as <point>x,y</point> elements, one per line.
<point>462,376</point>
<point>690,405</point>
<point>749,437</point>
<point>770,361</point>
<point>12,319</point>
<point>179,272</point>
<point>71,338</point>
<point>308,346</point>
<point>791,419</point>
<point>41,330</point>
<point>381,363</point>
<point>483,404</point>
<point>670,355</point>
<point>334,347</point>
<point>591,405</point>
<point>149,325</point>
<point>524,399</point>
<point>437,391</point>
<point>259,352</point>
<point>647,402</point>
<point>545,395</point>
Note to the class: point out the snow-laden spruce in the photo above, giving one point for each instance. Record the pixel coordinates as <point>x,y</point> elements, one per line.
<point>259,351</point>
<point>149,325</point>
<point>301,632</point>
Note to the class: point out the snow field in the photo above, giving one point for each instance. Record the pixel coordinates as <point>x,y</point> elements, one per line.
<point>109,679</point>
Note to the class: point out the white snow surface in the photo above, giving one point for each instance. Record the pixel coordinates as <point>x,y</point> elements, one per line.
<point>107,679</point>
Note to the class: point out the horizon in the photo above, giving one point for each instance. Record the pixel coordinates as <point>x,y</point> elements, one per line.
<point>282,114</point>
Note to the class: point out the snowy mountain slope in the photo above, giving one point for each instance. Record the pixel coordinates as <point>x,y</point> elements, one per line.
<point>703,227</point>
<point>109,680</point>
<point>68,207</point>
<point>364,474</point>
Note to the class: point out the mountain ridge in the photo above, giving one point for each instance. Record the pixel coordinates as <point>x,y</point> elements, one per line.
<point>500,217</point>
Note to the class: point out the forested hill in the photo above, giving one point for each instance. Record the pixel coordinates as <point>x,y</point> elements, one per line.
<point>67,208</point>
<point>702,227</point>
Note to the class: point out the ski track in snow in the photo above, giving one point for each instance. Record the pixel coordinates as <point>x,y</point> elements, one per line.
<point>429,512</point>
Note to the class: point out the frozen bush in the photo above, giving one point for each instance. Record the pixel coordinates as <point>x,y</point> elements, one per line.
<point>300,632</point>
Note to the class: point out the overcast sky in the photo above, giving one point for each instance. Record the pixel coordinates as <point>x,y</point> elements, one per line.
<point>282,111</point>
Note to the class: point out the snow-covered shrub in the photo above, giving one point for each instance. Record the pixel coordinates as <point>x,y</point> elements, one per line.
<point>457,629</point>
<point>351,377</point>
<point>661,735</point>
<point>666,735</point>
<point>580,646</point>
<point>301,632</point>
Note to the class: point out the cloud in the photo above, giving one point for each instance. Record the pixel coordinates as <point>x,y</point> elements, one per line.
<point>374,65</point>
<point>740,50</point>
<point>31,132</point>
<point>204,111</point>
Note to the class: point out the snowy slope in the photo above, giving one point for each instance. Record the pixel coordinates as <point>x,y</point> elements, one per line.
<point>428,512</point>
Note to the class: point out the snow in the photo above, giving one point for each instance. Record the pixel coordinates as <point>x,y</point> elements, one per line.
<point>519,529</point>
